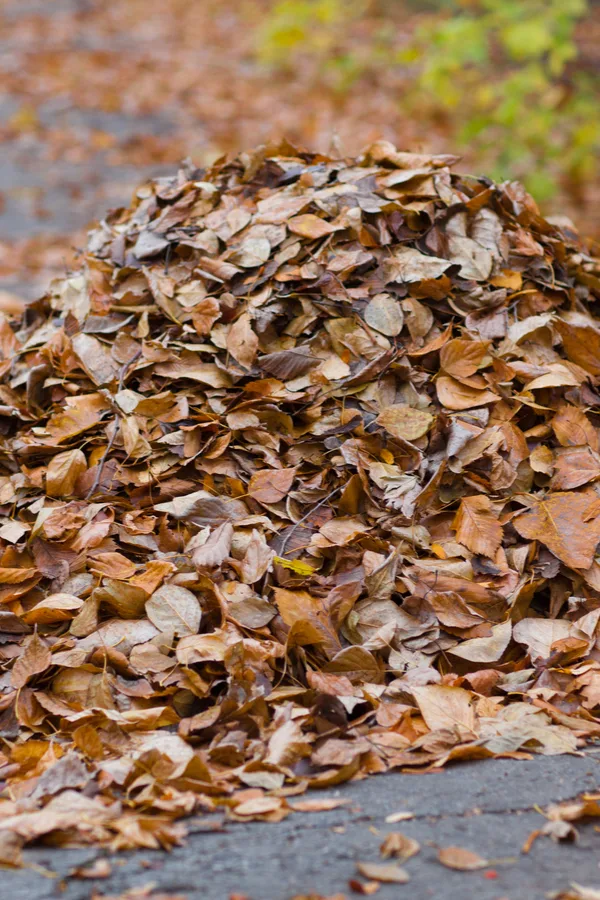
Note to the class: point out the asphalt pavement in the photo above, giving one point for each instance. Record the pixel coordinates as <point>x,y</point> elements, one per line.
<point>488,807</point>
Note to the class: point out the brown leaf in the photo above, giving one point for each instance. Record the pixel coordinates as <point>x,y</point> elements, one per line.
<point>572,427</point>
<point>242,342</point>
<point>271,485</point>
<point>574,466</point>
<point>34,660</point>
<point>477,527</point>
<point>63,471</point>
<point>454,395</point>
<point>80,414</point>
<point>309,616</point>
<point>559,521</point>
<point>461,358</point>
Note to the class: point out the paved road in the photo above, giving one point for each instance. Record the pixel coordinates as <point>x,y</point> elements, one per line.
<point>487,807</point>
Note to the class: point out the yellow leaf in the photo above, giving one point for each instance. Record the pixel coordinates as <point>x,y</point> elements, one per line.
<point>294,565</point>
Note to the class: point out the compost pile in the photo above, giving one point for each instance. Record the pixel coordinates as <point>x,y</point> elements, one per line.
<point>300,482</point>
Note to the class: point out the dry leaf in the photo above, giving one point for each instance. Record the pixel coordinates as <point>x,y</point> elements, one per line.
<point>174,609</point>
<point>445,707</point>
<point>389,873</point>
<point>63,471</point>
<point>399,846</point>
<point>477,527</point>
<point>405,422</point>
<point>560,522</point>
<point>34,659</point>
<point>461,859</point>
<point>384,314</point>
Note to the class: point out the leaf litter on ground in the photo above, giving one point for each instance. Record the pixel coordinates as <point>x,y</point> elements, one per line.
<point>300,484</point>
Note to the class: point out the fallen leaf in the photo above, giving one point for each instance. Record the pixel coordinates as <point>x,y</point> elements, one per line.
<point>405,422</point>
<point>389,873</point>
<point>174,609</point>
<point>477,527</point>
<point>461,859</point>
<point>559,521</point>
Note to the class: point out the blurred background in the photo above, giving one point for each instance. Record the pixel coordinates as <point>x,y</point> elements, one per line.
<point>95,96</point>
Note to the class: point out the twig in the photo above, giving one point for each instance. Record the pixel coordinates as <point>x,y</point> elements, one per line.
<point>312,510</point>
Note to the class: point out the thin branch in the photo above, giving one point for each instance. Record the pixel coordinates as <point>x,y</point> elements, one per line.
<point>312,510</point>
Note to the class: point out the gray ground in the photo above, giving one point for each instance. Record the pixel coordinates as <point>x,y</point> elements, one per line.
<point>487,807</point>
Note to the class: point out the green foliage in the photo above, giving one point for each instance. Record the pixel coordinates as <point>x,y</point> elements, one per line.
<point>499,69</point>
<point>304,25</point>
<point>502,75</point>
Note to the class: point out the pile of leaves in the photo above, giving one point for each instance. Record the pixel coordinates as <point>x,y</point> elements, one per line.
<point>300,483</point>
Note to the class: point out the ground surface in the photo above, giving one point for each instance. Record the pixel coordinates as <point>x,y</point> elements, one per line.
<point>487,807</point>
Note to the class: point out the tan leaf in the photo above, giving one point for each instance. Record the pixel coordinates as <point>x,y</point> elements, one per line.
<point>386,872</point>
<point>384,314</point>
<point>95,358</point>
<point>542,459</point>
<point>485,649</point>
<point>559,522</point>
<point>357,664</point>
<point>443,706</point>
<point>539,635</point>
<point>407,264</point>
<point>204,314</point>
<point>324,805</point>
<point>405,422</point>
<point>402,816</point>
<point>399,846</point>
<point>56,608</point>
<point>477,527</point>
<point>190,366</point>
<point>174,609</point>
<point>216,549</point>
<point>461,859</point>
<point>257,558</point>
<point>242,342</point>
<point>258,806</point>
<point>310,226</point>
